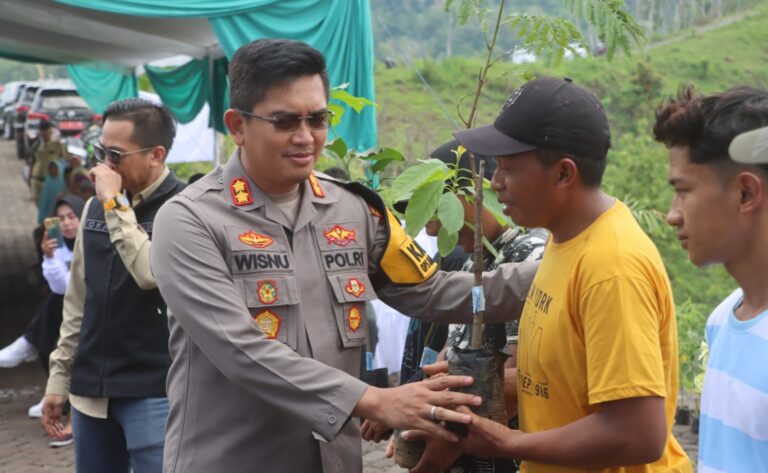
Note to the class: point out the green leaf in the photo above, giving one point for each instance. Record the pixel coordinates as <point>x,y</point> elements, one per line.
<point>383,163</point>
<point>356,103</point>
<point>422,205</point>
<point>338,147</point>
<point>338,113</point>
<point>446,241</point>
<point>494,207</point>
<point>411,178</point>
<point>384,153</point>
<point>450,212</point>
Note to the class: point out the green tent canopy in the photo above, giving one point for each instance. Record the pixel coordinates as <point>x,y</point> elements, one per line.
<point>100,39</point>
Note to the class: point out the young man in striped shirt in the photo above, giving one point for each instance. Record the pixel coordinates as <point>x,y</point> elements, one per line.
<point>720,211</point>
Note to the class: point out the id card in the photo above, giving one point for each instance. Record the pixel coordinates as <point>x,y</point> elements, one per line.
<point>428,357</point>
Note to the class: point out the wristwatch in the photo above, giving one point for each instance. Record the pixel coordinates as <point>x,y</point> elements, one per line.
<point>118,202</point>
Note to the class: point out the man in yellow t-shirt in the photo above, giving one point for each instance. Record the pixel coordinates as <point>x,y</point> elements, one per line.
<point>597,355</point>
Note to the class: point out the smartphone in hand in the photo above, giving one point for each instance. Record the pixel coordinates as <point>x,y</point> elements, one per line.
<point>53,227</point>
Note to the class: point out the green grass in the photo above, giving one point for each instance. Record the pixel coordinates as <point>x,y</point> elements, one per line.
<point>410,120</point>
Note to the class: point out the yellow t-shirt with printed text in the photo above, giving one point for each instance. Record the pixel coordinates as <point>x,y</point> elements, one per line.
<point>598,325</point>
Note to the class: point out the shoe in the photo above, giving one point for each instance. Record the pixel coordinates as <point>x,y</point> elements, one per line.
<point>36,411</point>
<point>18,352</point>
<point>60,443</point>
<point>66,437</point>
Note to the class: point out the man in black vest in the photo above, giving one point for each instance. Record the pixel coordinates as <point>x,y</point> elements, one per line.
<point>112,358</point>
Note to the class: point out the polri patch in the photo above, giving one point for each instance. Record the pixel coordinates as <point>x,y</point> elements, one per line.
<point>255,240</point>
<point>241,191</point>
<point>315,185</point>
<point>266,291</point>
<point>355,287</point>
<point>340,236</point>
<point>268,322</point>
<point>354,318</point>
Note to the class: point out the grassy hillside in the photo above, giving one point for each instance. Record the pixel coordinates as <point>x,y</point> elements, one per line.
<point>410,119</point>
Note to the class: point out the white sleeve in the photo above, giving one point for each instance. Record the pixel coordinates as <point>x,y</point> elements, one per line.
<point>56,272</point>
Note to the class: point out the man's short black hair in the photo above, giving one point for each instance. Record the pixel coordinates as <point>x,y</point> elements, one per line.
<point>708,124</point>
<point>591,170</point>
<point>266,63</point>
<point>153,124</point>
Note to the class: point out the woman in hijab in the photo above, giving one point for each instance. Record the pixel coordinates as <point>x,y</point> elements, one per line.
<point>53,186</point>
<point>42,333</point>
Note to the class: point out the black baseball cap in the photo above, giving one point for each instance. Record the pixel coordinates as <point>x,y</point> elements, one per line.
<point>445,153</point>
<point>544,113</point>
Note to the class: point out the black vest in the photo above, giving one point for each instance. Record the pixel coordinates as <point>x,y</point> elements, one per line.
<point>123,349</point>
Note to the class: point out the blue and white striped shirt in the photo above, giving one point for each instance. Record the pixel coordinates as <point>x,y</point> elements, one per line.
<point>733,430</point>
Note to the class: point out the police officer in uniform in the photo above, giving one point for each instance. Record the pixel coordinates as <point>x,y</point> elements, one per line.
<point>266,268</point>
<point>45,151</point>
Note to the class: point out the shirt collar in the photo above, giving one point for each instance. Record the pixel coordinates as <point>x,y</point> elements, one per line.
<point>144,195</point>
<point>242,193</point>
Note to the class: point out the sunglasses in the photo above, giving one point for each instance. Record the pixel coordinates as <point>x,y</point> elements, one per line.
<point>114,156</point>
<point>290,122</point>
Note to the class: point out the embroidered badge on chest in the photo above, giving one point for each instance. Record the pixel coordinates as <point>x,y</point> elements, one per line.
<point>355,287</point>
<point>266,292</point>
<point>340,236</point>
<point>256,240</point>
<point>315,184</point>
<point>268,322</point>
<point>241,192</point>
<point>354,318</point>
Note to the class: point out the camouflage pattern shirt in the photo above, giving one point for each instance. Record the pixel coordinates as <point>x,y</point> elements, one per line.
<point>515,245</point>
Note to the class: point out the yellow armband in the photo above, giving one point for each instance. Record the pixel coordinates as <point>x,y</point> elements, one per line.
<point>404,261</point>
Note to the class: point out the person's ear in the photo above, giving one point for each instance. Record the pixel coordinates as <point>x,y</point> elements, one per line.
<point>566,172</point>
<point>236,125</point>
<point>159,154</point>
<point>751,191</point>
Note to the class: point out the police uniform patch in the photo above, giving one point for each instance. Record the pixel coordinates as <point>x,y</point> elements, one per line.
<point>268,322</point>
<point>266,291</point>
<point>355,287</point>
<point>256,240</point>
<point>315,185</point>
<point>375,212</point>
<point>354,318</point>
<point>241,192</point>
<point>340,236</point>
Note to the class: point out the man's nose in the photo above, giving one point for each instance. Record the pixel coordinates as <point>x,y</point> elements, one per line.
<point>496,183</point>
<point>303,134</point>
<point>674,217</point>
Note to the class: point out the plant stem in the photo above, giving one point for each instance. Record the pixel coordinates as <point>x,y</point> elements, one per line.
<point>486,67</point>
<point>478,320</point>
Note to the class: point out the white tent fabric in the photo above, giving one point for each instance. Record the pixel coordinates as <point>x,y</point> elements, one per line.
<point>60,33</point>
<point>194,140</point>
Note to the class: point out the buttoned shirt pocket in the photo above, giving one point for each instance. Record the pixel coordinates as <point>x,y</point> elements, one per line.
<point>273,301</point>
<point>351,291</point>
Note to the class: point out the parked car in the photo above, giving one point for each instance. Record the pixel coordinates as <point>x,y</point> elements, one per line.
<point>20,109</point>
<point>63,106</point>
<point>7,100</point>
